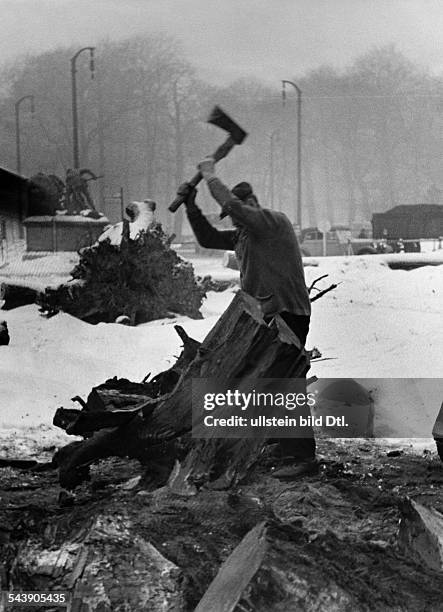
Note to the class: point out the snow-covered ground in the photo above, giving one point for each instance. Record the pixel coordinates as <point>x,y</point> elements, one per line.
<point>378,323</point>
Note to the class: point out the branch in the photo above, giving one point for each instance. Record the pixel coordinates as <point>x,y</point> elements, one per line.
<point>314,282</point>
<point>322,293</point>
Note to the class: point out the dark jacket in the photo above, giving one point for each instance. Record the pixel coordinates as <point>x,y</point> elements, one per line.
<point>267,250</point>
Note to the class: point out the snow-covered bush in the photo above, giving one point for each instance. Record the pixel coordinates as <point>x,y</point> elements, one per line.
<point>143,278</point>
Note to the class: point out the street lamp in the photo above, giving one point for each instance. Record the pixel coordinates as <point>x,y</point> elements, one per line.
<point>17,127</point>
<point>298,90</point>
<point>272,138</point>
<point>74,99</point>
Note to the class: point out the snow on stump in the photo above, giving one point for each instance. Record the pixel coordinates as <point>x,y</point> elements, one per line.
<point>421,534</point>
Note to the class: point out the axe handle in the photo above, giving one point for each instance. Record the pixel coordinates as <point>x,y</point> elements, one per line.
<point>219,154</point>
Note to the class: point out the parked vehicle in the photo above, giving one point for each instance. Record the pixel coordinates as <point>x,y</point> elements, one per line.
<point>339,241</point>
<point>409,222</point>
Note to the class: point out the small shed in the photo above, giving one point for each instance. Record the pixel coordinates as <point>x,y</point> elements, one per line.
<point>409,222</point>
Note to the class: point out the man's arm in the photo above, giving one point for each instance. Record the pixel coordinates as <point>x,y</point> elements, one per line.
<point>219,191</point>
<point>257,219</point>
<point>207,236</point>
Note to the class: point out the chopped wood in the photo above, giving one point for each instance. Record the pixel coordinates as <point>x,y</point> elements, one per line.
<point>421,534</point>
<point>236,573</point>
<point>104,567</point>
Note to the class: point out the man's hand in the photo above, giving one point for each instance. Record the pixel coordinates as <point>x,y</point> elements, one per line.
<point>207,167</point>
<point>189,192</point>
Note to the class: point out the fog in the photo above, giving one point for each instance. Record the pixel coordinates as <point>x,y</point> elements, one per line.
<point>369,72</point>
<point>235,38</point>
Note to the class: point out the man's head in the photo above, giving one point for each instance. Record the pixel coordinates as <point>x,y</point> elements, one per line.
<point>243,191</point>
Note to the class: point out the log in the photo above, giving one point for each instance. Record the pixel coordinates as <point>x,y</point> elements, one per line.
<point>15,295</point>
<point>236,572</point>
<point>240,346</point>
<point>54,298</point>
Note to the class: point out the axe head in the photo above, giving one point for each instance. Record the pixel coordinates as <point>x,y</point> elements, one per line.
<point>219,118</point>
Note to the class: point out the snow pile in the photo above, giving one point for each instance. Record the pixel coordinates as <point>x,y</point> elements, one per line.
<point>378,322</point>
<point>142,217</point>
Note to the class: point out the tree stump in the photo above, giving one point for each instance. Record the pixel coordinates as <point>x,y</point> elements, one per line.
<point>240,346</point>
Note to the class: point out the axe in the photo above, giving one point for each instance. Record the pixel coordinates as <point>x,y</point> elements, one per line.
<point>236,136</point>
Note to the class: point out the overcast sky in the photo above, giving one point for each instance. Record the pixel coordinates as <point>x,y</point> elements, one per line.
<point>226,39</point>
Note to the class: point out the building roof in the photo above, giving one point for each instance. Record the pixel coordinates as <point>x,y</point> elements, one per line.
<point>10,180</point>
<point>414,209</point>
<point>13,191</point>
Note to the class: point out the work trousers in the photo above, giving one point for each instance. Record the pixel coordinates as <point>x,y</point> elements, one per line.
<point>299,448</point>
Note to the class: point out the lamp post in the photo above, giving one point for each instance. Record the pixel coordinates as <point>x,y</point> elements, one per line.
<point>76,156</point>
<point>17,127</point>
<point>299,94</point>
<point>272,138</point>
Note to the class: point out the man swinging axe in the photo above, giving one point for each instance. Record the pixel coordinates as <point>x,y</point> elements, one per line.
<point>271,270</point>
